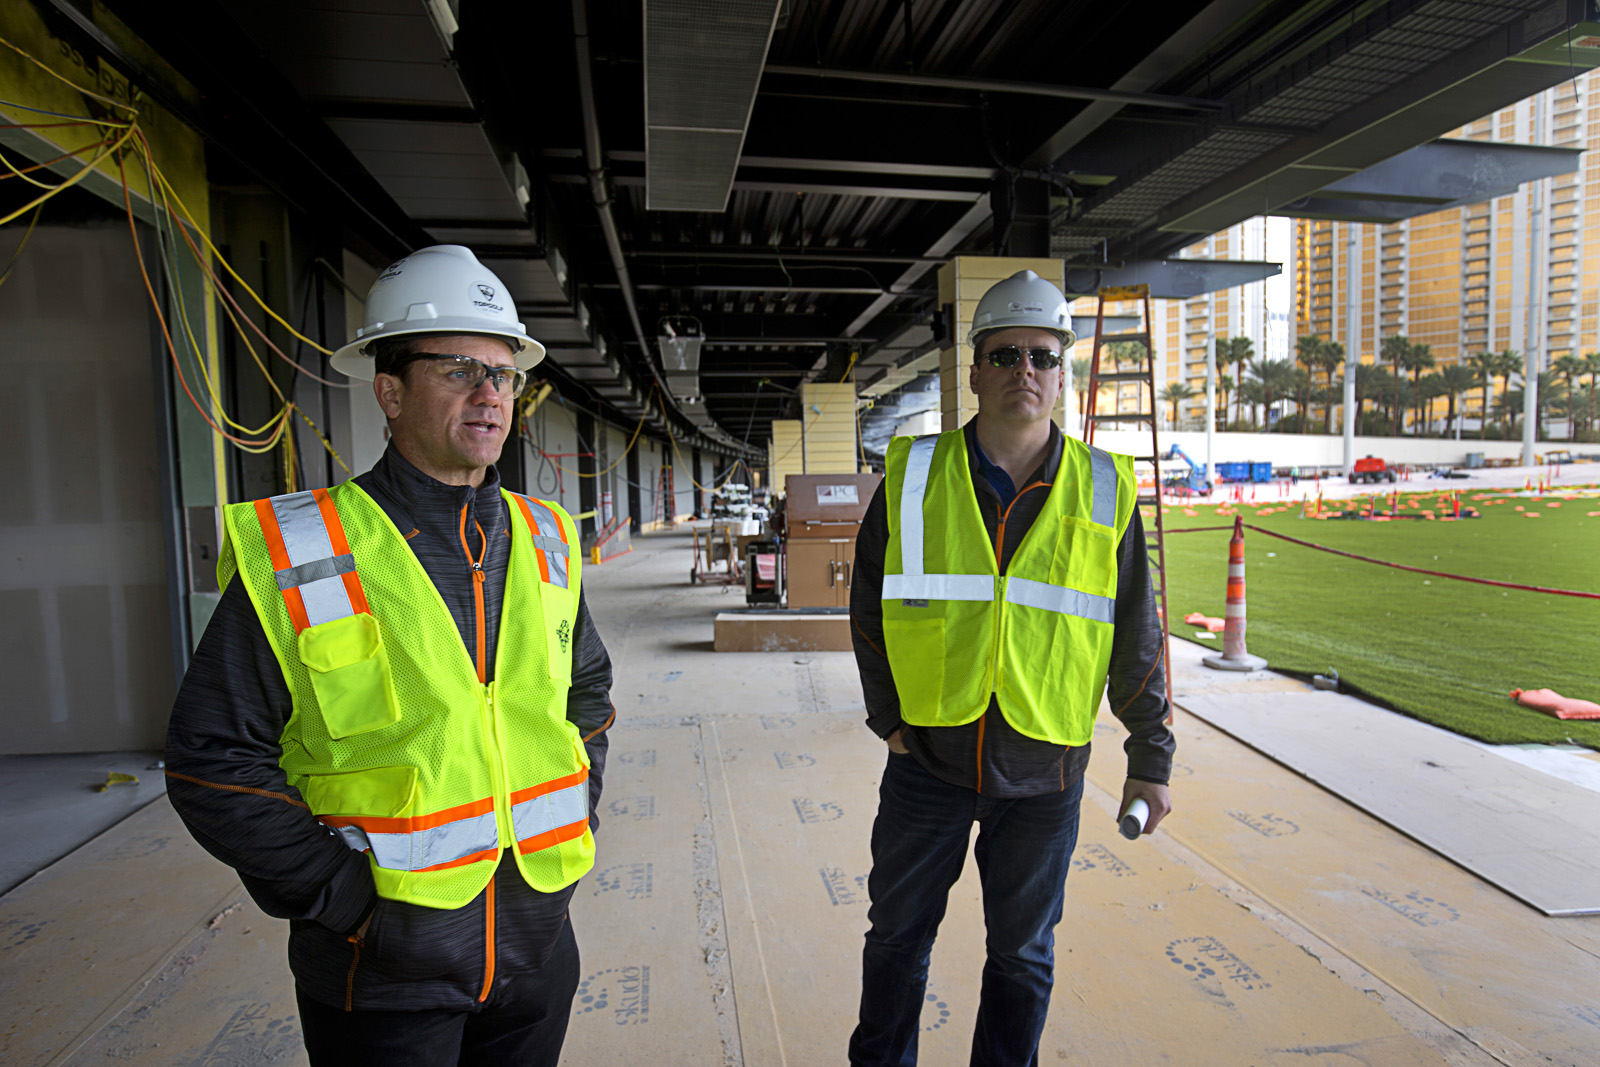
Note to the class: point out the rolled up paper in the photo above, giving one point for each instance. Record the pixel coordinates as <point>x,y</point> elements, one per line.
<point>1133,820</point>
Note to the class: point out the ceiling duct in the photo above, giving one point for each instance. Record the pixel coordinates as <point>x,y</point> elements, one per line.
<point>702,66</point>
<point>680,341</point>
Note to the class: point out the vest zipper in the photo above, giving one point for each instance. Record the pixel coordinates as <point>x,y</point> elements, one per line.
<point>503,815</point>
<point>488,940</point>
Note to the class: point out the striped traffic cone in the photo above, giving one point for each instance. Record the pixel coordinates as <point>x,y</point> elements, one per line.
<point>1234,656</point>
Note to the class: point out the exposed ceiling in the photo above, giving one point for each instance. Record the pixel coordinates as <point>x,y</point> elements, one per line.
<point>570,145</point>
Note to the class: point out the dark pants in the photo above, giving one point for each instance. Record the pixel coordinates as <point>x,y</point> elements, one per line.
<point>919,844</point>
<point>523,1023</point>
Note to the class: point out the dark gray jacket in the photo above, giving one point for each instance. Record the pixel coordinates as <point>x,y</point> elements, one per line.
<point>989,755</point>
<point>224,780</point>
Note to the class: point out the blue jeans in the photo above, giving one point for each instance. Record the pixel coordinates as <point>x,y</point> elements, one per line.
<point>919,844</point>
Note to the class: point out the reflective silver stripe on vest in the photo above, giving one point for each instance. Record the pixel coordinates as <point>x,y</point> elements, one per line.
<point>938,587</point>
<point>548,539</point>
<point>1104,471</point>
<point>550,544</point>
<point>305,538</point>
<point>1031,594</point>
<point>315,571</point>
<point>541,814</point>
<point>912,493</point>
<point>425,848</point>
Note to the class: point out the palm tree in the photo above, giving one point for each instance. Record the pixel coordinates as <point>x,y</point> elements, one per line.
<point>1176,393</point>
<point>1571,368</point>
<point>1249,392</point>
<point>1393,351</point>
<point>1277,380</point>
<point>1485,365</point>
<point>1550,395</point>
<point>1455,379</point>
<point>1591,367</point>
<point>1371,383</point>
<point>1507,362</point>
<point>1307,353</point>
<point>1235,351</point>
<point>1330,358</point>
<point>1224,386</point>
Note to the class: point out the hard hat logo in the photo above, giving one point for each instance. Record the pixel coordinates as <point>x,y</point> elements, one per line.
<point>1022,300</point>
<point>442,289</point>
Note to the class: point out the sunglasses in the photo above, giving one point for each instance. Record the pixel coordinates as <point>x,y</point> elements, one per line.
<point>1007,356</point>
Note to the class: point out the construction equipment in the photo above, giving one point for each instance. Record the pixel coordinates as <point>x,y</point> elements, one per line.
<point>1140,352</point>
<point>716,559</point>
<point>1196,480</point>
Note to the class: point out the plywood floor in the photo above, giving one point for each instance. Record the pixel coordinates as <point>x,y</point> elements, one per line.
<point>1270,923</point>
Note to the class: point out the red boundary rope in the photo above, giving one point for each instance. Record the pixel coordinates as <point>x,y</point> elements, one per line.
<point>1387,563</point>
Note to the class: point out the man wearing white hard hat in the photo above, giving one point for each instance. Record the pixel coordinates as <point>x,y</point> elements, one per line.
<point>394,725</point>
<point>1001,582</point>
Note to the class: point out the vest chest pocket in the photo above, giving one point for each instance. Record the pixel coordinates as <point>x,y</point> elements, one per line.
<point>1085,557</point>
<point>349,670</point>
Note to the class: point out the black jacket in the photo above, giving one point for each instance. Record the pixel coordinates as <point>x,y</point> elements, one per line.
<point>224,780</point>
<point>989,755</point>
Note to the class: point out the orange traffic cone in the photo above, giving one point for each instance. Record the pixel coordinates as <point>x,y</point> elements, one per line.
<point>1234,655</point>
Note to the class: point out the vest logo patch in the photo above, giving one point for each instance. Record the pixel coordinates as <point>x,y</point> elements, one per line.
<point>564,634</point>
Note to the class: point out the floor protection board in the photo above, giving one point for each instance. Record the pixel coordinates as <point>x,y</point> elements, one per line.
<point>1531,834</point>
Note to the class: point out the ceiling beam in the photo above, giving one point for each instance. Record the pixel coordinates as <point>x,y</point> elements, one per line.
<point>1166,59</point>
<point>991,85</point>
<point>959,231</point>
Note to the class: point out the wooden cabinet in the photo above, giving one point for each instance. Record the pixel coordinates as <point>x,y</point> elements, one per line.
<point>819,572</point>
<point>822,516</point>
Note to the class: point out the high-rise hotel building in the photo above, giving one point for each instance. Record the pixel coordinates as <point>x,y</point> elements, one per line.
<point>1519,272</point>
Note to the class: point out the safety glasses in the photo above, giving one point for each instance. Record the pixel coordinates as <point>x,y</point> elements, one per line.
<point>463,374</point>
<point>1007,356</point>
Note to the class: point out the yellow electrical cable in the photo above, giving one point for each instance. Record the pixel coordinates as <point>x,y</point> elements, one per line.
<point>94,163</point>
<point>132,111</point>
<point>279,319</point>
<point>715,486</point>
<point>17,255</point>
<point>211,389</point>
<point>631,442</point>
<point>30,179</point>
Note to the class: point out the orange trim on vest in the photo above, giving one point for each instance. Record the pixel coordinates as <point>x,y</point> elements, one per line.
<point>377,824</point>
<point>280,561</point>
<point>553,837</point>
<point>550,787</point>
<point>341,547</point>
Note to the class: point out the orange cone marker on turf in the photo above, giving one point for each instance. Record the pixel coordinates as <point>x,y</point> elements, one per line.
<point>1234,656</point>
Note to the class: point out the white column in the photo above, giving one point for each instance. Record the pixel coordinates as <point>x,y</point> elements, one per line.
<point>1352,345</point>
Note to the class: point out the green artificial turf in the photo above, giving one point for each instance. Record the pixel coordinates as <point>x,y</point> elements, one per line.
<point>1444,651</point>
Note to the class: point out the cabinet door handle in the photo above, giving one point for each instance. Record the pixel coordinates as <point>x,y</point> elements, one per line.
<point>833,573</point>
<point>846,567</point>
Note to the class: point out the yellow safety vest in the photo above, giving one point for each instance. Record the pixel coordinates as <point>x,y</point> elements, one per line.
<point>394,742</point>
<point>1037,637</point>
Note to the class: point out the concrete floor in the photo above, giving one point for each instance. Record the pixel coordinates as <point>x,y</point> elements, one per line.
<point>49,805</point>
<point>1269,922</point>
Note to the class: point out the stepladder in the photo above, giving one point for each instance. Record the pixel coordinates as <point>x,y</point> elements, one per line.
<point>1122,395</point>
<point>666,499</point>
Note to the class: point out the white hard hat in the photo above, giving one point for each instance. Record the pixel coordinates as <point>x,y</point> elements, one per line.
<point>440,289</point>
<point>1024,299</point>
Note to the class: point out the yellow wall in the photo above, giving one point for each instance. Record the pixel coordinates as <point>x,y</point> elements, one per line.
<point>784,455</point>
<point>829,410</point>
